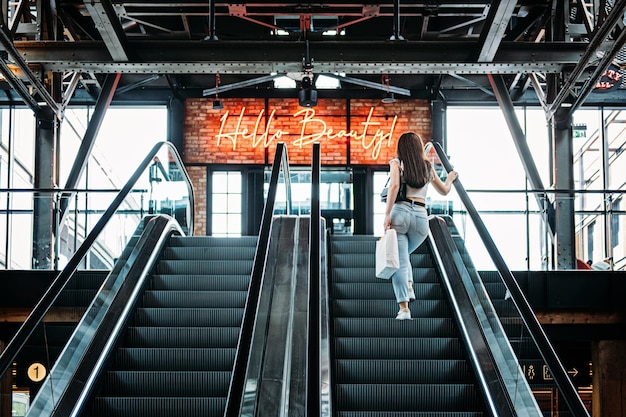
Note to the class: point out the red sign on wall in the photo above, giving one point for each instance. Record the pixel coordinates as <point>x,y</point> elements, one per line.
<point>247,131</point>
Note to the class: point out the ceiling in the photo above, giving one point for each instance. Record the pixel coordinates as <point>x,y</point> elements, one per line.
<point>542,52</point>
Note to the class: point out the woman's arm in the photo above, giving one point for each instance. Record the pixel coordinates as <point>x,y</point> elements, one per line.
<point>440,186</point>
<point>392,190</point>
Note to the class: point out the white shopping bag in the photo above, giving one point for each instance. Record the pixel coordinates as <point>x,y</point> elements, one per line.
<point>387,260</point>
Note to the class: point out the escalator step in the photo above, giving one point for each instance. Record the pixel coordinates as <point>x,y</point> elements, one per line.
<point>190,299</point>
<point>239,267</point>
<point>389,308</point>
<point>168,383</point>
<point>201,282</point>
<point>384,290</point>
<point>184,337</point>
<point>366,260</point>
<point>360,275</point>
<point>204,241</point>
<point>208,253</point>
<point>390,327</point>
<point>397,348</point>
<point>157,407</point>
<point>409,414</point>
<point>181,317</point>
<point>155,359</point>
<point>402,371</point>
<point>406,397</point>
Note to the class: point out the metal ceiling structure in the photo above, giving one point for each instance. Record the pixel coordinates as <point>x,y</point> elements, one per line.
<point>548,52</point>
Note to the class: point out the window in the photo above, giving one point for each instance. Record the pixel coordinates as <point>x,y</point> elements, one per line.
<point>226,203</point>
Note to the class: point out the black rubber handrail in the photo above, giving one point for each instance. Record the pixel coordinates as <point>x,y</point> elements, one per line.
<point>557,370</point>
<point>238,380</point>
<point>52,293</point>
<point>314,369</point>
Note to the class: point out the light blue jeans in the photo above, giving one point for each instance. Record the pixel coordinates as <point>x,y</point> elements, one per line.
<point>411,224</point>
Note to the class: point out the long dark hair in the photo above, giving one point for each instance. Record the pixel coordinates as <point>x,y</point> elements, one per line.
<point>417,169</point>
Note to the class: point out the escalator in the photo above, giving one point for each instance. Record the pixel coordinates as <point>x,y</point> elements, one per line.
<point>386,366</point>
<point>177,355</point>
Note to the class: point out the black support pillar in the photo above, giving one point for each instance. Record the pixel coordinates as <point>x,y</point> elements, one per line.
<point>43,206</point>
<point>564,184</point>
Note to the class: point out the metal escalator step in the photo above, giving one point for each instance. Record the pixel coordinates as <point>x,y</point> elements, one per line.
<point>185,337</point>
<point>406,397</point>
<point>367,246</point>
<point>366,260</point>
<point>172,359</point>
<point>204,267</point>
<point>196,317</point>
<point>215,241</point>
<point>383,289</point>
<point>397,348</point>
<point>409,414</point>
<point>209,253</point>
<point>159,407</point>
<point>167,383</point>
<point>416,371</point>
<point>390,327</point>
<point>201,282</point>
<point>389,308</point>
<point>191,299</point>
<point>359,275</point>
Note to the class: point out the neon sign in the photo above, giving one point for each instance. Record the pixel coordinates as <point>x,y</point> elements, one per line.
<point>371,134</point>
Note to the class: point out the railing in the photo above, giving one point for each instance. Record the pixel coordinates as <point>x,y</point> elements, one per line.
<point>160,189</point>
<point>234,401</point>
<point>530,321</point>
<point>63,278</point>
<point>71,381</point>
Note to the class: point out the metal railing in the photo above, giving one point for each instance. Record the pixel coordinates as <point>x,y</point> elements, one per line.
<point>236,391</point>
<point>60,282</point>
<point>539,337</point>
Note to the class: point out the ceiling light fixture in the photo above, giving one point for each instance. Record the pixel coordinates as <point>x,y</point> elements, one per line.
<point>217,103</point>
<point>307,96</point>
<point>388,98</point>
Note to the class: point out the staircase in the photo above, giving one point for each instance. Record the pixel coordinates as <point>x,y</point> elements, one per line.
<point>177,356</point>
<point>384,367</point>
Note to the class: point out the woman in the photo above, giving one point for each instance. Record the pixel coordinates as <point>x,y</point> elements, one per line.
<point>409,218</point>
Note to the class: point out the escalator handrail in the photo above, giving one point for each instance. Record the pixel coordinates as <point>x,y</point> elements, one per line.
<point>237,385</point>
<point>315,336</point>
<point>58,284</point>
<point>547,351</point>
<point>95,338</point>
<point>504,384</point>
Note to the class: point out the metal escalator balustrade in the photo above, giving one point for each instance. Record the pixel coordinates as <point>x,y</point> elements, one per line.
<point>523,329</point>
<point>386,367</point>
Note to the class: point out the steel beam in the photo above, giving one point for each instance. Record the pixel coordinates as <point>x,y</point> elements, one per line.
<point>519,138</point>
<point>564,183</point>
<point>106,21</point>
<point>102,105</point>
<point>500,12</point>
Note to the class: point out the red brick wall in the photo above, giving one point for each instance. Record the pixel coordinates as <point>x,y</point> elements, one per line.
<point>247,132</point>
<point>246,129</point>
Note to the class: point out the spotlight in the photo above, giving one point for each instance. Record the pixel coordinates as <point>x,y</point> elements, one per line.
<point>217,105</point>
<point>307,98</point>
<point>389,98</point>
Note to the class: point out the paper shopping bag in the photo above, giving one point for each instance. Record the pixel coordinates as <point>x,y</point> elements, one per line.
<point>387,260</point>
